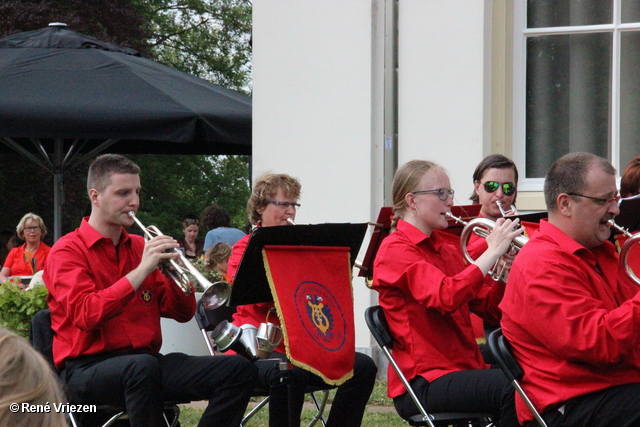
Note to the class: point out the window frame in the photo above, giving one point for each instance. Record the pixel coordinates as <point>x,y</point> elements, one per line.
<point>520,35</point>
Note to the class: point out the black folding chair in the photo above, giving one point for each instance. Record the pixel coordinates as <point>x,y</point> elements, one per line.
<point>501,351</point>
<point>207,321</point>
<point>379,328</point>
<point>41,338</point>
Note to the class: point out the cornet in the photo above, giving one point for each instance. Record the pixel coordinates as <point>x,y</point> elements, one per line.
<point>482,227</point>
<point>504,213</point>
<point>624,252</point>
<point>215,294</point>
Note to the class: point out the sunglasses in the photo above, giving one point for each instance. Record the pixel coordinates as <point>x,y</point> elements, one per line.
<point>508,188</point>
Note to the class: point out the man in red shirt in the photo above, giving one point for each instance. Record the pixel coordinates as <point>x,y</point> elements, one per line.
<point>106,297</point>
<point>569,311</point>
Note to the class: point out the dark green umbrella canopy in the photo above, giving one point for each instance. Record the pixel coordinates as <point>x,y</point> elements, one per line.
<point>66,97</point>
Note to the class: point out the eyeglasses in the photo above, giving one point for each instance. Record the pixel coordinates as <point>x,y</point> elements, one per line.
<point>443,193</point>
<point>285,205</point>
<point>508,188</point>
<point>598,200</point>
<point>32,229</point>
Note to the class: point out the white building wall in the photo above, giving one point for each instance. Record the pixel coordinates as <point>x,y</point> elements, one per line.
<point>442,111</point>
<point>317,101</point>
<point>312,109</point>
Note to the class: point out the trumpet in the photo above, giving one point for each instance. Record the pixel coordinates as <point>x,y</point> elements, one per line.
<point>215,294</point>
<point>624,252</point>
<point>482,227</point>
<point>512,211</point>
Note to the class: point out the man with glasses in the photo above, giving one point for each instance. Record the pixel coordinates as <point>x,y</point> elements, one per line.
<point>569,311</point>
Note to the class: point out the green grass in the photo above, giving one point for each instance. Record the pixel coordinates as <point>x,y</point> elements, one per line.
<point>380,412</point>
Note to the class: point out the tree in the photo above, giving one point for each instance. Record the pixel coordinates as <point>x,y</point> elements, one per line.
<point>174,186</point>
<point>208,38</point>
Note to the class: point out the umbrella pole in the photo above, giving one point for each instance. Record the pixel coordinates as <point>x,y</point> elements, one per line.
<point>58,189</point>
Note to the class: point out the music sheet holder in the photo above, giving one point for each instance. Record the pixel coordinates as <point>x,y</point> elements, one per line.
<point>250,285</point>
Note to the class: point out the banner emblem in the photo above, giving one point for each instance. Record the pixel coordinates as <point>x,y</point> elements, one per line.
<point>321,315</point>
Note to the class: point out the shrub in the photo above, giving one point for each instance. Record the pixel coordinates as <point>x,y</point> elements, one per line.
<point>17,307</point>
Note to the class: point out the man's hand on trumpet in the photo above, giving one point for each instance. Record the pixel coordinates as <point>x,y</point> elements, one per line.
<point>154,255</point>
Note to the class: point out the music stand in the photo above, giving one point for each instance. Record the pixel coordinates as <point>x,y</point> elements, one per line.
<point>381,229</point>
<point>250,285</point>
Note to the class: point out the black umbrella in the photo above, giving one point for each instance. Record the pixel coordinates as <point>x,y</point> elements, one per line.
<point>65,97</point>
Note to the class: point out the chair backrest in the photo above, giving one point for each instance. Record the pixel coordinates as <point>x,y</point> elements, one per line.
<point>41,334</point>
<point>502,353</point>
<point>377,323</point>
<point>501,350</point>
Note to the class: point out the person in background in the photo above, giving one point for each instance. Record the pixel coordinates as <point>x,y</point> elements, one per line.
<point>30,257</point>
<point>193,247</point>
<point>570,313</point>
<point>217,258</point>
<point>26,377</point>
<point>6,244</point>
<point>428,294</point>
<point>494,180</point>
<point>216,219</point>
<point>630,181</point>
<point>274,201</point>
<point>107,294</point>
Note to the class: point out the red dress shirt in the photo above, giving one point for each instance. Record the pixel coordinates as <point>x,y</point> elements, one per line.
<point>427,294</point>
<point>573,319</point>
<point>94,308</point>
<point>19,267</point>
<point>252,314</point>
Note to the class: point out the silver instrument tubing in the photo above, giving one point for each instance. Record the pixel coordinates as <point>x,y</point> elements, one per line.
<point>482,227</point>
<point>215,294</point>
<point>632,239</point>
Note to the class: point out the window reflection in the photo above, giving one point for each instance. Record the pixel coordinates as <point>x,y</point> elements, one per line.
<point>562,13</point>
<point>568,98</point>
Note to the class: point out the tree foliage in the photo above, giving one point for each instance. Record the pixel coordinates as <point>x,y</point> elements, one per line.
<point>174,186</point>
<point>208,38</point>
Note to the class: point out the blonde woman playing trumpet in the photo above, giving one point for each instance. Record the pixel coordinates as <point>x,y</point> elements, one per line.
<point>428,295</point>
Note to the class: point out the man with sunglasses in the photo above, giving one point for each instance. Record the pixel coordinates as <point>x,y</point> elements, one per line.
<point>569,311</point>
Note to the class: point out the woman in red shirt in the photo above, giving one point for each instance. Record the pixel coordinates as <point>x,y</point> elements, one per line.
<point>428,294</point>
<point>29,258</point>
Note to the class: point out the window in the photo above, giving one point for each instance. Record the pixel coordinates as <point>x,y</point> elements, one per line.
<point>576,82</point>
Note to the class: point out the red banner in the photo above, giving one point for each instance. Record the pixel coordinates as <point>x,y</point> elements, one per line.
<point>311,287</point>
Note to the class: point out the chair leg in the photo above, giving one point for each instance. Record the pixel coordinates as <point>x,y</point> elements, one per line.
<point>175,416</point>
<point>320,406</point>
<point>254,411</point>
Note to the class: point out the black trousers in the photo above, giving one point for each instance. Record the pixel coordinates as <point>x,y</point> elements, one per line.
<point>287,390</point>
<point>617,406</point>
<point>483,390</point>
<point>143,382</point>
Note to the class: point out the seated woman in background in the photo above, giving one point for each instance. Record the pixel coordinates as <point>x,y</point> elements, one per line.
<point>26,377</point>
<point>190,243</point>
<point>273,202</point>
<point>30,257</point>
<point>217,258</point>
<point>428,294</point>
